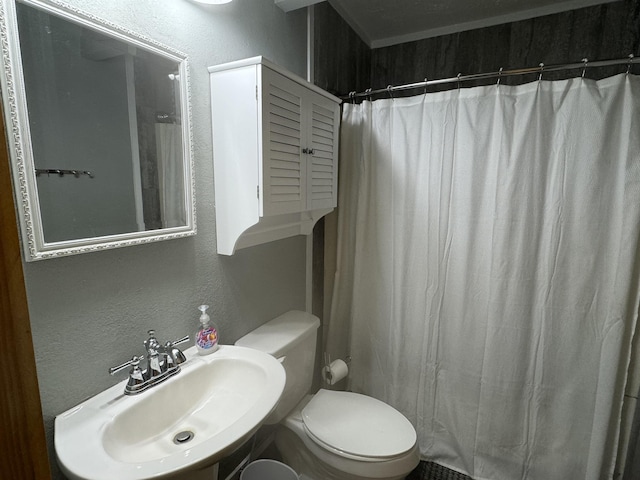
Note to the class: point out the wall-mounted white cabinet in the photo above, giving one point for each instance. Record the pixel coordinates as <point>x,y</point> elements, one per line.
<point>275,152</point>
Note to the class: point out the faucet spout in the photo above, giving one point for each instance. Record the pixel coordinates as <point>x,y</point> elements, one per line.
<point>174,355</point>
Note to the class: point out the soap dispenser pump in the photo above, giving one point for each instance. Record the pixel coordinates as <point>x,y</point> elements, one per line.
<point>207,334</point>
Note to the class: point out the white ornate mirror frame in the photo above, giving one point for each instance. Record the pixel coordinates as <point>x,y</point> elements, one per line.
<point>19,139</point>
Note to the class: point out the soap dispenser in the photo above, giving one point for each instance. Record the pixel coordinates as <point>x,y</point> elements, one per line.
<point>207,334</point>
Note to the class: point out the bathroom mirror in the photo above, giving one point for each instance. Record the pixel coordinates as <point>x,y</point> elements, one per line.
<point>98,126</point>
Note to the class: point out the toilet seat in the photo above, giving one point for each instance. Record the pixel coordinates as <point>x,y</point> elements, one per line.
<point>357,426</point>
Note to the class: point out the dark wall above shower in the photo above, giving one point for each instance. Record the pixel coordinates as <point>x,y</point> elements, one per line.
<point>611,30</point>
<point>342,61</point>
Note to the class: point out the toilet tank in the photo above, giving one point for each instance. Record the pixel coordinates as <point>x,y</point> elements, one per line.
<point>291,338</point>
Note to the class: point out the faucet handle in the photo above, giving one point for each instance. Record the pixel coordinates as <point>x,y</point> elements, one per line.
<point>134,362</point>
<point>182,340</point>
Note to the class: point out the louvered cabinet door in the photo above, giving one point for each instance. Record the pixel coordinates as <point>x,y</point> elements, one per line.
<point>322,160</point>
<point>283,169</point>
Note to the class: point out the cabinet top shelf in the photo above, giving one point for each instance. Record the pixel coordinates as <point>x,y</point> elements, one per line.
<point>260,60</point>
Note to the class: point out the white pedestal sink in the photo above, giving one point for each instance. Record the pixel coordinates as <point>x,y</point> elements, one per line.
<point>186,424</point>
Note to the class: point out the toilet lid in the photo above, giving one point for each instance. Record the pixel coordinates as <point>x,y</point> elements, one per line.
<point>357,425</point>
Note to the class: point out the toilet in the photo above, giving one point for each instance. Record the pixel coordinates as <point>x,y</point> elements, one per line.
<point>330,435</point>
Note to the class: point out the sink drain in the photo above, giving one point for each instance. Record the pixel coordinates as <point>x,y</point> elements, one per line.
<point>183,437</point>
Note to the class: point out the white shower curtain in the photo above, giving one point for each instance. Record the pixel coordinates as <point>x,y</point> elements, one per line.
<point>487,278</point>
<point>170,174</point>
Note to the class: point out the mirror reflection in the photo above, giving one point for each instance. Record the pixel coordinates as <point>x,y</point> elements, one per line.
<point>106,130</point>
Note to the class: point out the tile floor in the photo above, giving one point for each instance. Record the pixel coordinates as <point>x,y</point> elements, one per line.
<point>433,471</point>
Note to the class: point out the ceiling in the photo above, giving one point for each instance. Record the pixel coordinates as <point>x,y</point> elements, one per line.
<point>381,23</point>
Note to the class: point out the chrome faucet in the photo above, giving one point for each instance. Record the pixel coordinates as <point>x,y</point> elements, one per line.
<point>163,361</point>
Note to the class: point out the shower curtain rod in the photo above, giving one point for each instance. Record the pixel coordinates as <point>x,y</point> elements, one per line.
<point>540,69</point>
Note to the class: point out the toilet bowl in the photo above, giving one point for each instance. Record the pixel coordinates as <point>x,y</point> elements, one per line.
<point>330,435</point>
<point>346,435</point>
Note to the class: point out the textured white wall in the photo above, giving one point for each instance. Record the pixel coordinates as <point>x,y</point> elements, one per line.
<point>91,311</point>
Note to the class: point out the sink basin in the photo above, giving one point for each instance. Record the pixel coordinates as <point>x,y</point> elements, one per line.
<point>189,422</point>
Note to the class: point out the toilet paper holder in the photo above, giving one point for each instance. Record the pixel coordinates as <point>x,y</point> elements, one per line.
<point>328,369</point>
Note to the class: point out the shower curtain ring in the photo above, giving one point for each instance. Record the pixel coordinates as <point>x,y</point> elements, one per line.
<point>629,64</point>
<point>585,61</point>
<point>389,87</point>
<point>352,97</point>
<point>459,76</point>
<point>426,82</point>
<point>541,70</point>
<point>499,77</point>
<point>368,93</point>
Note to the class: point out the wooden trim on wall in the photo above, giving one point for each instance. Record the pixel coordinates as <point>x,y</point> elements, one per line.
<point>23,447</point>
